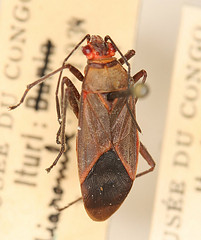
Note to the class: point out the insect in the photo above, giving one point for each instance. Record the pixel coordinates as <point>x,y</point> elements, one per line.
<point>107,142</point>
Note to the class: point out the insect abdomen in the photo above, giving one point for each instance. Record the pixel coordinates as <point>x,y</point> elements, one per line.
<point>106,186</point>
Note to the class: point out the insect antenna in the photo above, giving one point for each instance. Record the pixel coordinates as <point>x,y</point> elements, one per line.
<point>129,77</point>
<point>40,80</point>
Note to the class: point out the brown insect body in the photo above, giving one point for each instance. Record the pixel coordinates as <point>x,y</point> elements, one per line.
<point>107,143</point>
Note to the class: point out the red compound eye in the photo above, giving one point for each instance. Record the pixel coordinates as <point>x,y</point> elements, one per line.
<point>87,50</point>
<point>111,50</point>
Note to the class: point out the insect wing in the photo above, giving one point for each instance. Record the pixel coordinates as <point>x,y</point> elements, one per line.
<point>102,128</point>
<point>125,135</point>
<point>94,137</point>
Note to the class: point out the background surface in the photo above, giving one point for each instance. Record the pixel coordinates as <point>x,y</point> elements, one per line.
<point>155,43</point>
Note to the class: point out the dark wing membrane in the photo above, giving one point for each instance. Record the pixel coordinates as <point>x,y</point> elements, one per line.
<point>105,187</point>
<point>125,135</point>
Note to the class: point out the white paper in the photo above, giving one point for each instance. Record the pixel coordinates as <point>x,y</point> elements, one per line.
<point>177,211</point>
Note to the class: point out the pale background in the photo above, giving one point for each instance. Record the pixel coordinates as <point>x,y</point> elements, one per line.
<point>156,41</point>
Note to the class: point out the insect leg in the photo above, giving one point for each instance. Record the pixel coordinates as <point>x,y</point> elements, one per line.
<point>128,55</point>
<point>77,74</point>
<point>70,204</point>
<point>61,131</point>
<point>146,155</point>
<point>40,80</point>
<point>141,74</point>
<point>73,97</point>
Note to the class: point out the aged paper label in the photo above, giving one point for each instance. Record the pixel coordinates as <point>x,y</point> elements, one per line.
<point>177,213</point>
<point>35,37</point>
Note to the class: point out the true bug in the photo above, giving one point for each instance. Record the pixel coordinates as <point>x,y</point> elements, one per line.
<point>107,141</point>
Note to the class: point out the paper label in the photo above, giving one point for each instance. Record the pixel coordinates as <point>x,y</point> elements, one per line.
<point>177,212</point>
<point>35,37</point>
